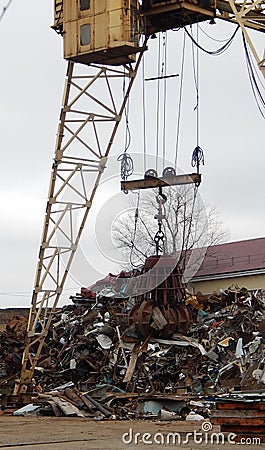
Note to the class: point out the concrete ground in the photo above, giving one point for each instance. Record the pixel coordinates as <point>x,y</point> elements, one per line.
<point>55,433</point>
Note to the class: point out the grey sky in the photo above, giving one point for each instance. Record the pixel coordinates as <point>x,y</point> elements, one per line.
<point>32,79</point>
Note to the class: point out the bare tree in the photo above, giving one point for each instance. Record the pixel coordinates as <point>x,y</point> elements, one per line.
<point>187,224</point>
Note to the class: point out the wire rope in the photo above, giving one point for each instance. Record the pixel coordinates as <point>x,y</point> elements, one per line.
<point>211,37</point>
<point>195,66</point>
<point>260,101</point>
<point>126,114</point>
<point>214,52</point>
<point>4,10</point>
<point>165,96</point>
<point>197,93</point>
<point>144,112</point>
<point>125,159</point>
<point>184,250</point>
<point>197,155</point>
<point>180,99</point>
<point>158,101</point>
<point>136,217</point>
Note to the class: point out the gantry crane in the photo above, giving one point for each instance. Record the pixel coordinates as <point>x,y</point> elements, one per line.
<point>104,42</point>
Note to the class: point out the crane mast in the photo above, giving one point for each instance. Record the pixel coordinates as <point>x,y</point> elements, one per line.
<point>104,42</point>
<point>76,173</point>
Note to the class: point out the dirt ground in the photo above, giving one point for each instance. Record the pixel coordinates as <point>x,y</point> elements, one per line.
<point>55,433</point>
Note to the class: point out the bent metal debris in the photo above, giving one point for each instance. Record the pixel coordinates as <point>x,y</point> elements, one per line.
<point>98,361</point>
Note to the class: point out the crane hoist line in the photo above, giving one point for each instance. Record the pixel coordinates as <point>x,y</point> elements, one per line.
<point>107,39</point>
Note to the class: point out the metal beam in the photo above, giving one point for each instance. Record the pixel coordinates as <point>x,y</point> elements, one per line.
<point>247,14</point>
<point>152,182</point>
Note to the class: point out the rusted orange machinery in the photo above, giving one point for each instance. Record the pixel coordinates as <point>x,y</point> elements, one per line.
<point>160,309</point>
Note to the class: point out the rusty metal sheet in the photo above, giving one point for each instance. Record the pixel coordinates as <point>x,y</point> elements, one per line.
<point>256,421</point>
<point>257,430</point>
<point>184,318</point>
<point>241,405</point>
<point>248,414</point>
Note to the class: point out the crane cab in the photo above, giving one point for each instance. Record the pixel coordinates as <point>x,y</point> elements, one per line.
<point>98,31</point>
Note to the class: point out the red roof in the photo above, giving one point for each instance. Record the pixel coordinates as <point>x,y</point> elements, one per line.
<point>233,257</point>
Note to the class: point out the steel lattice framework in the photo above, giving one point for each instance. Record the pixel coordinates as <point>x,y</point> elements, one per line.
<point>247,14</point>
<point>89,120</point>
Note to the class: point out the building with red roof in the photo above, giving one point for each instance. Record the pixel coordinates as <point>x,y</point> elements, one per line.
<point>239,263</point>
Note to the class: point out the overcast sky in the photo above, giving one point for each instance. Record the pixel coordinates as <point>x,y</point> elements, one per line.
<point>32,79</point>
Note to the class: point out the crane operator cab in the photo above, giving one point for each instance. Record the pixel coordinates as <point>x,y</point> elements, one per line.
<point>109,31</point>
<point>98,31</point>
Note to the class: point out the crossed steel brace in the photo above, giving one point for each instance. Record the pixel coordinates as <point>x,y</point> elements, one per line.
<point>93,103</point>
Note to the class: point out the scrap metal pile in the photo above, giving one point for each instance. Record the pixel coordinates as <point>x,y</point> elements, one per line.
<point>92,347</point>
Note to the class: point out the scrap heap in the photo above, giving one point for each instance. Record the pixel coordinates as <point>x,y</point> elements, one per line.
<point>111,347</point>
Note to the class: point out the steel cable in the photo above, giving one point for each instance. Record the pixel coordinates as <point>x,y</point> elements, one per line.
<point>260,101</point>
<point>214,52</point>
<point>180,99</point>
<point>4,10</point>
